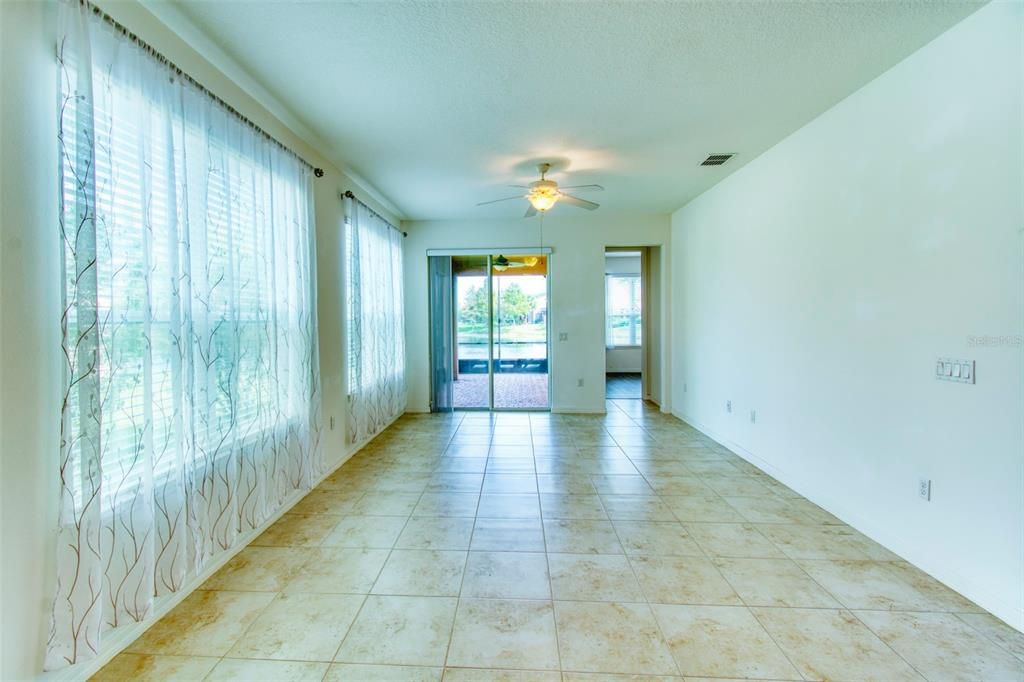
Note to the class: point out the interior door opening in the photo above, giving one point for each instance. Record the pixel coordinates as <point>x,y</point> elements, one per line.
<point>624,324</point>
<point>489,332</point>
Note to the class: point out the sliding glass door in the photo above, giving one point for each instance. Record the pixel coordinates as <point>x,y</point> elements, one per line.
<point>489,331</point>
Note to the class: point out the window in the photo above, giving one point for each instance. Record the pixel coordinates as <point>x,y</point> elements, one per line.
<point>375,321</point>
<point>624,306</point>
<point>200,316</point>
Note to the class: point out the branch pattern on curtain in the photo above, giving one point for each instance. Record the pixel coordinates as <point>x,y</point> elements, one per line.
<point>191,406</point>
<point>376,322</point>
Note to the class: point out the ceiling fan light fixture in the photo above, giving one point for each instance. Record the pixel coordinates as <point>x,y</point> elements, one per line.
<point>543,198</point>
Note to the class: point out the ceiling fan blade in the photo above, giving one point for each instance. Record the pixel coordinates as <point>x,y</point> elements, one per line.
<point>520,186</point>
<point>494,201</point>
<point>576,201</point>
<point>585,188</point>
<point>530,212</point>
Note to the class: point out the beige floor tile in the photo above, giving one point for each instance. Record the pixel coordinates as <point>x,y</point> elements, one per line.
<point>422,573</point>
<point>616,484</point>
<point>943,647</point>
<point>206,623</point>
<point>682,580</point>
<point>511,465</point>
<point>746,486</point>
<point>611,637</point>
<point>328,501</point>
<point>509,506</point>
<point>774,582</point>
<point>765,509</point>
<point>701,509</point>
<point>512,535</point>
<point>593,577</point>
<point>655,538</point>
<point>557,506</point>
<point>827,644</point>
<point>260,569</point>
<point>680,485</point>
<point>297,530</point>
<point>815,542</point>
<point>509,575</point>
<point>814,512</point>
<point>379,532</point>
<point>412,500</point>
<point>376,503</point>
<point>565,484</point>
<point>579,536</point>
<point>721,641</point>
<point>455,483</point>
<point>400,631</point>
<point>252,670</point>
<point>636,508</point>
<point>464,465</point>
<point>358,672</point>
<point>997,631</point>
<point>883,585</point>
<point>613,677</point>
<point>400,479</point>
<point>740,540</point>
<point>299,627</point>
<point>426,532</point>
<point>447,504</point>
<point>150,668</point>
<point>509,483</point>
<point>483,674</point>
<point>494,633</point>
<point>341,570</point>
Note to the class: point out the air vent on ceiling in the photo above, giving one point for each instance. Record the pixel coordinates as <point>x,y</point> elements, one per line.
<point>716,159</point>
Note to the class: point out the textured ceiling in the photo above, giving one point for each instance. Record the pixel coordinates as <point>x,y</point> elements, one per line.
<point>442,104</point>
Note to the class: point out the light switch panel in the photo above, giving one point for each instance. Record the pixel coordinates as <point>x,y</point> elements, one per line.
<point>959,371</point>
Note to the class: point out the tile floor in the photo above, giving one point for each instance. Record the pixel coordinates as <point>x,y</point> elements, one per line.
<point>575,548</point>
<point>623,386</point>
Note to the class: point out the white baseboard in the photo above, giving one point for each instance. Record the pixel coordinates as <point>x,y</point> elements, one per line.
<point>977,592</point>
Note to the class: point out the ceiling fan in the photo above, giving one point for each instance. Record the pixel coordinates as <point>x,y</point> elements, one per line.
<point>501,263</point>
<point>543,194</point>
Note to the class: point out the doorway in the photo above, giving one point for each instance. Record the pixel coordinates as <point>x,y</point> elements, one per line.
<point>624,323</point>
<point>489,331</point>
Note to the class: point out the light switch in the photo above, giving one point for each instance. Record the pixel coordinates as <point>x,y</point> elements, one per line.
<point>959,371</point>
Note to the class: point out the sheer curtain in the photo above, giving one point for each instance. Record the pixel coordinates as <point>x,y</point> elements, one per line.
<point>376,322</point>
<point>191,402</point>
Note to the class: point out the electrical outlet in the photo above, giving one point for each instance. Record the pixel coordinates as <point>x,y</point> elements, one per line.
<point>924,488</point>
<point>332,422</point>
<point>728,406</point>
<point>753,416</point>
<point>579,383</point>
<point>684,388</point>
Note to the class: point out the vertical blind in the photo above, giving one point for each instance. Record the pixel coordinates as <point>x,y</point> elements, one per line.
<point>191,407</point>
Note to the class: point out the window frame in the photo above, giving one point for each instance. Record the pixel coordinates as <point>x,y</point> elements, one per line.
<point>635,319</point>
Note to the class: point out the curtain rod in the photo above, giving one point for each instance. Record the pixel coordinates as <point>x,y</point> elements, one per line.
<point>347,194</point>
<point>121,28</point>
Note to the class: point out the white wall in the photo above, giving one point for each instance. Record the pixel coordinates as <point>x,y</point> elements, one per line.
<point>820,283</point>
<point>623,359</point>
<point>29,300</point>
<point>577,290</point>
